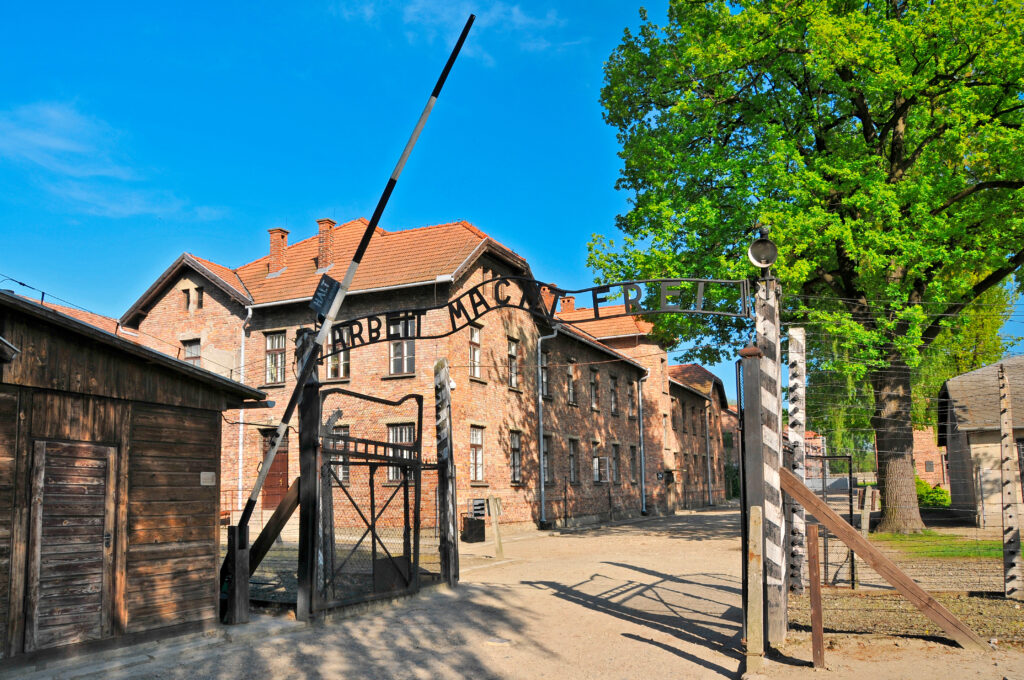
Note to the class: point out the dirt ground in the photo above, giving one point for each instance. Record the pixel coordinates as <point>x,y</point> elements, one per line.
<point>653,599</point>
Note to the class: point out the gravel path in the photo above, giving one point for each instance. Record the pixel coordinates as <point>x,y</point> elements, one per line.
<point>652,599</point>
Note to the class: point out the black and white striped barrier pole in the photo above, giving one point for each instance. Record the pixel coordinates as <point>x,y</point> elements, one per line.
<point>309,360</point>
<point>796,455</point>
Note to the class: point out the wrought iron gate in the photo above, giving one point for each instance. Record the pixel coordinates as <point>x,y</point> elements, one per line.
<point>370,510</point>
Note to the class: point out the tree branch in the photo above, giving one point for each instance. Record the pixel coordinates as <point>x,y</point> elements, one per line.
<point>980,186</point>
<point>977,290</point>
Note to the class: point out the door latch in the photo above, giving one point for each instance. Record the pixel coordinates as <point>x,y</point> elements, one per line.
<point>106,540</point>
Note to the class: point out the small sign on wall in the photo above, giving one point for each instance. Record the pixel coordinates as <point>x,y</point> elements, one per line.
<point>207,479</point>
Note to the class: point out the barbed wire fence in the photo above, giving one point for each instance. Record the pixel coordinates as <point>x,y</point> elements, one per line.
<point>959,476</point>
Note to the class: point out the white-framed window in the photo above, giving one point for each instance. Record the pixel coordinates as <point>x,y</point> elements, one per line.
<point>547,473</point>
<point>600,465</point>
<point>474,351</point>
<point>338,365</point>
<point>616,475</point>
<point>570,374</point>
<point>632,464</point>
<point>513,362</point>
<point>192,352</point>
<point>631,397</point>
<point>343,469</point>
<point>275,357</point>
<point>476,454</point>
<point>515,455</point>
<point>614,385</point>
<point>594,399</point>
<point>402,353</point>
<point>544,374</point>
<point>574,454</point>
<point>403,433</point>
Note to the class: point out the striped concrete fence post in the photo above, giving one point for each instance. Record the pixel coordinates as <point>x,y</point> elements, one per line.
<point>767,324</point>
<point>795,451</point>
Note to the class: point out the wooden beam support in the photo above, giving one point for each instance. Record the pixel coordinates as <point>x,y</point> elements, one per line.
<point>754,610</point>
<point>928,605</point>
<point>272,529</point>
<point>814,580</point>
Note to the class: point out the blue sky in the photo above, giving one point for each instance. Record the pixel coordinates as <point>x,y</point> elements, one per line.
<point>132,133</point>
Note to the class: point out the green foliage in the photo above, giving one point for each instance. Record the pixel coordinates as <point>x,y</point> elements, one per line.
<point>929,496</point>
<point>881,143</point>
<point>732,481</point>
<point>932,544</point>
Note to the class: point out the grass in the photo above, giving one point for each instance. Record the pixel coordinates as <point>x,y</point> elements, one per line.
<point>932,544</point>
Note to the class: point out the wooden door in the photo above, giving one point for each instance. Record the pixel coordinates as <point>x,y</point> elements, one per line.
<point>275,486</point>
<point>70,569</point>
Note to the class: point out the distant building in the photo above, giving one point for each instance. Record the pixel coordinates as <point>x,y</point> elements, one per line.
<point>929,459</point>
<point>968,420</point>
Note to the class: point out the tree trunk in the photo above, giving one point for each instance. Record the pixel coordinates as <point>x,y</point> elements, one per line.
<point>894,438</point>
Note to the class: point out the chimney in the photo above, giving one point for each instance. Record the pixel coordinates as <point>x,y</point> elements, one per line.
<point>546,296</point>
<point>278,249</point>
<point>568,304</point>
<point>325,253</point>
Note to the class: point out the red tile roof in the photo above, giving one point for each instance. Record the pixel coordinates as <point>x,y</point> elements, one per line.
<point>583,317</point>
<point>698,378</point>
<point>392,259</point>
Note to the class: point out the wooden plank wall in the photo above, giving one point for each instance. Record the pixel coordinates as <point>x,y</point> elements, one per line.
<point>52,358</point>
<point>172,521</point>
<point>8,442</point>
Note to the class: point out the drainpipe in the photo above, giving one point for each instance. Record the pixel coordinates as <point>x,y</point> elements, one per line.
<point>643,460</point>
<point>241,412</point>
<point>540,425</point>
<point>707,447</point>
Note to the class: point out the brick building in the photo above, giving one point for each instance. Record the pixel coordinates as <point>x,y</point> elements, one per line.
<point>930,459</point>
<point>243,323</point>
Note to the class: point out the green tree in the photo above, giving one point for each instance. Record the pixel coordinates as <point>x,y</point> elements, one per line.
<point>881,141</point>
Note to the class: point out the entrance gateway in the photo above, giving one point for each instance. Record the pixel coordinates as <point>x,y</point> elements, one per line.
<point>327,576</point>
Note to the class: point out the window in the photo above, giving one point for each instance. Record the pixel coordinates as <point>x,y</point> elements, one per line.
<point>616,476</point>
<point>191,351</point>
<point>929,466</point>
<point>275,358</point>
<point>474,351</point>
<point>544,375</point>
<point>513,363</point>
<point>600,464</point>
<point>516,456</point>
<point>399,434</point>
<point>574,446</point>
<point>664,428</point>
<point>342,470</point>
<point>631,396</point>
<point>571,384</point>
<point>338,364</point>
<point>693,416</point>
<point>632,464</point>
<point>476,454</point>
<point>594,401</point>
<point>199,297</point>
<point>547,475</point>
<point>727,440</point>
<point>403,352</point>
<point>614,385</point>
<point>186,292</point>
<point>675,410</point>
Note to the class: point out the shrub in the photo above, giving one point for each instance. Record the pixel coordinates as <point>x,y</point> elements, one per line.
<point>929,496</point>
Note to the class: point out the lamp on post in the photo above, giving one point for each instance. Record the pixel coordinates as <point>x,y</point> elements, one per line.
<point>762,252</point>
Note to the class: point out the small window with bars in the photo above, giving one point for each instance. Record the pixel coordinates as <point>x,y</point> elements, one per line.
<point>399,434</point>
<point>191,352</point>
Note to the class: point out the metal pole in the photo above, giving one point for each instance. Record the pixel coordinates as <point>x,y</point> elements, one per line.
<point>540,428</point>
<point>309,488</point>
<point>309,359</point>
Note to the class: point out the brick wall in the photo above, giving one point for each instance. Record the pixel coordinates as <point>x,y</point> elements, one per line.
<point>929,459</point>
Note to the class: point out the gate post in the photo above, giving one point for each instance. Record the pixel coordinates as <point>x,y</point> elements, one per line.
<point>446,511</point>
<point>237,606</point>
<point>794,512</point>
<point>752,491</point>
<point>767,324</point>
<point>309,488</point>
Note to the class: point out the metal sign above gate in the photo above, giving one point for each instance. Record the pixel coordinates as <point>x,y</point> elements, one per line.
<point>718,297</point>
